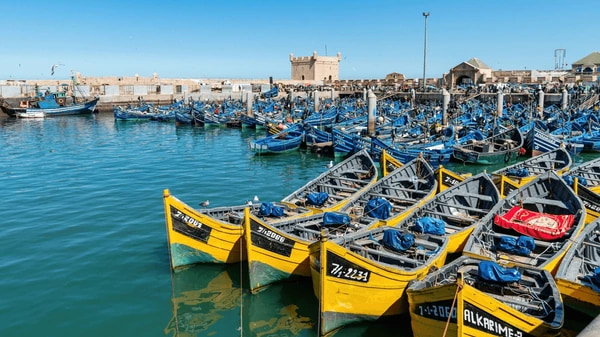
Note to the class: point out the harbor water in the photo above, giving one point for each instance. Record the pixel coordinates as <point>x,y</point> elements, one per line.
<point>83,240</point>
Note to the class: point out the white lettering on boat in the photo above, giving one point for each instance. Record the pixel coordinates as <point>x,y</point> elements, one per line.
<point>489,325</point>
<point>187,219</point>
<point>436,311</point>
<point>349,273</point>
<point>270,234</point>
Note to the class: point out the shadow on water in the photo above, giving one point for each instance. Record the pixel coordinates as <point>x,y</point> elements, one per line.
<point>206,301</point>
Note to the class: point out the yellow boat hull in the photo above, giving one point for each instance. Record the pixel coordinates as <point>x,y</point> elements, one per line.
<point>353,289</point>
<point>196,238</point>
<point>430,309</point>
<point>482,315</point>
<point>579,297</point>
<point>447,178</point>
<point>272,255</point>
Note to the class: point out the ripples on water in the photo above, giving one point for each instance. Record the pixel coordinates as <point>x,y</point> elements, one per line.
<point>83,240</point>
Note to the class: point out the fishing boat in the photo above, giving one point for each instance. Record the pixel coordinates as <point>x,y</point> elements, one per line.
<point>332,189</point>
<point>456,211</point>
<point>590,171</point>
<point>475,297</point>
<point>538,141</point>
<point>503,147</point>
<point>49,106</point>
<point>516,175</point>
<point>578,276</point>
<point>533,226</point>
<point>363,276</point>
<point>287,140</point>
<point>447,178</point>
<point>279,250</point>
<point>213,235</point>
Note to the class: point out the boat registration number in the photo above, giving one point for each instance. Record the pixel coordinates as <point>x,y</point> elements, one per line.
<point>341,268</point>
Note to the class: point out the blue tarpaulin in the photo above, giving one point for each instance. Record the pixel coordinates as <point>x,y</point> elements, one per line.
<point>569,179</point>
<point>521,246</point>
<point>333,218</point>
<point>518,172</point>
<point>429,225</point>
<point>491,271</point>
<point>395,240</point>
<point>317,198</point>
<point>268,209</point>
<point>378,208</point>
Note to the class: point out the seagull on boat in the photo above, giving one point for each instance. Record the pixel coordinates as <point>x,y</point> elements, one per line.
<point>248,202</point>
<point>205,203</point>
<point>255,198</point>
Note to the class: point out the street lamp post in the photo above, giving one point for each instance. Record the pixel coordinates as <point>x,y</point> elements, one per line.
<point>425,14</point>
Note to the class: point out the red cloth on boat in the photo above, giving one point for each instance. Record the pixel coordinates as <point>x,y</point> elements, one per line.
<point>537,225</point>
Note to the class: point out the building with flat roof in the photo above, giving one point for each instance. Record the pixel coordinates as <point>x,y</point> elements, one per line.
<point>320,68</point>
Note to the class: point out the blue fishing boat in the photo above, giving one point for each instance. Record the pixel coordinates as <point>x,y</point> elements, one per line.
<point>287,140</point>
<point>49,106</point>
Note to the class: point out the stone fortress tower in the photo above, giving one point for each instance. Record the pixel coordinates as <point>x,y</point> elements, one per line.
<point>325,68</point>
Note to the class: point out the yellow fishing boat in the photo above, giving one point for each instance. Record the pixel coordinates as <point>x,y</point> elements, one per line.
<point>212,235</point>
<point>512,177</point>
<point>447,178</point>
<point>331,190</point>
<point>363,276</point>
<point>591,199</point>
<point>578,276</point>
<point>590,171</point>
<point>533,226</point>
<point>475,297</point>
<point>456,211</point>
<point>388,163</point>
<point>279,251</point>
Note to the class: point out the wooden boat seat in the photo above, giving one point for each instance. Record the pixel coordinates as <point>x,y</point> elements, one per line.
<point>386,254</point>
<point>509,301</point>
<point>458,206</point>
<point>350,179</point>
<point>453,217</point>
<point>396,199</point>
<point>550,202</point>
<point>338,187</point>
<point>407,190</point>
<point>478,196</point>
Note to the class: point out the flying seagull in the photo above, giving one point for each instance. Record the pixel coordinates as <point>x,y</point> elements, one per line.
<point>54,67</point>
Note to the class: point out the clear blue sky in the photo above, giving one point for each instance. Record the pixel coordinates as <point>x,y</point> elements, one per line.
<point>253,39</point>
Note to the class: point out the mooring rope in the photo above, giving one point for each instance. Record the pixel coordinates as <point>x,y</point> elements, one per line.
<point>458,287</point>
<point>241,285</point>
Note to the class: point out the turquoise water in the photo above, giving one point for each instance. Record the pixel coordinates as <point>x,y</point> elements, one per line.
<point>84,249</point>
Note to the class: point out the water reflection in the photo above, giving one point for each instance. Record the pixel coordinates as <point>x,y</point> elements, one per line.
<point>207,300</point>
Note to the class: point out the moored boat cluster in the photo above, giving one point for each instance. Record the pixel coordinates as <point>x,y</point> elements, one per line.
<point>378,247</point>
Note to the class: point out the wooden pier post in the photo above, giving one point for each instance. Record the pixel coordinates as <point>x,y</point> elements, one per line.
<point>541,103</point>
<point>371,109</point>
<point>500,103</point>
<point>445,103</point>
